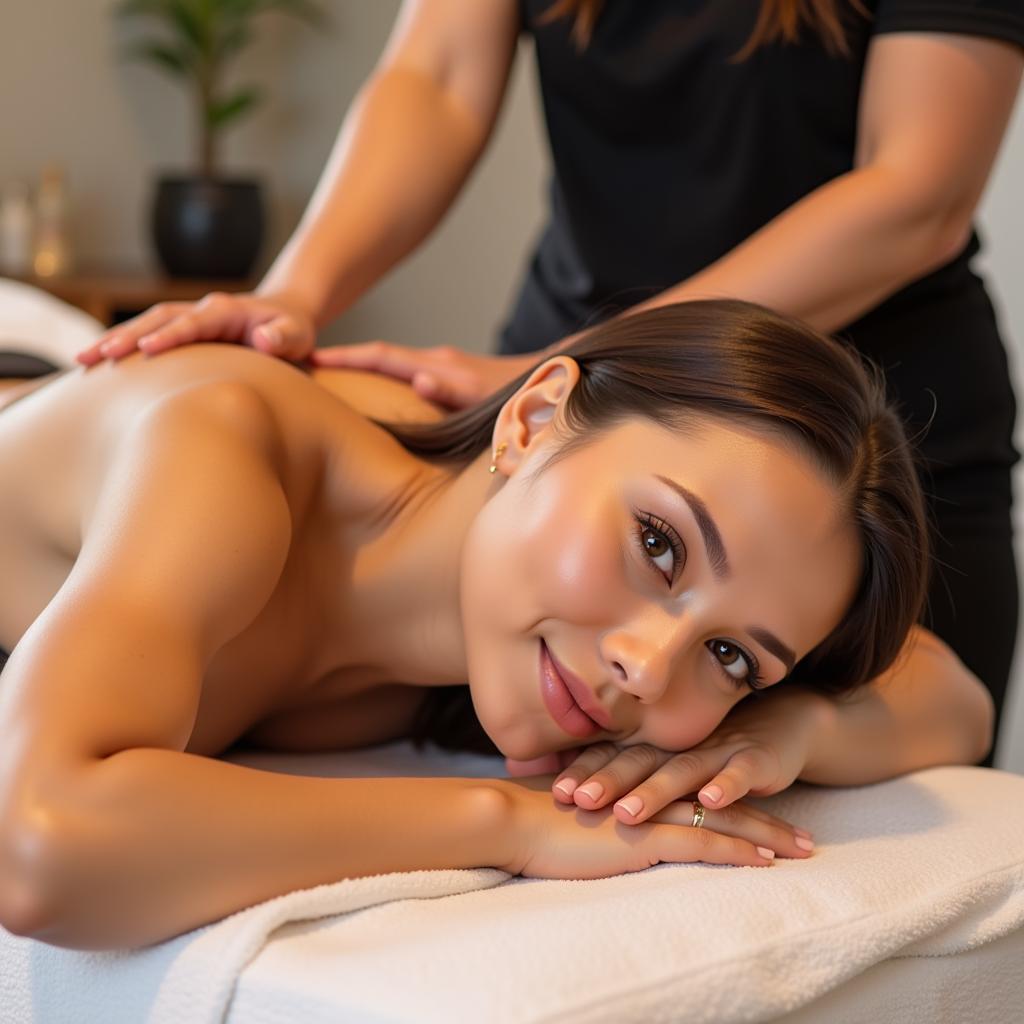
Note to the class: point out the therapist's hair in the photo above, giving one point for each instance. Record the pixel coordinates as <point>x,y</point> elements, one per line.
<point>745,365</point>
<point>778,21</point>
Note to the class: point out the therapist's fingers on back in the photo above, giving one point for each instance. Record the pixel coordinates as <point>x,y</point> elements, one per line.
<point>215,317</point>
<point>287,337</point>
<point>453,388</point>
<point>124,338</point>
<point>372,356</point>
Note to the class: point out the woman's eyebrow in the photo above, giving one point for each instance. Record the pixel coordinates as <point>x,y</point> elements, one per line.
<point>773,644</point>
<point>721,569</point>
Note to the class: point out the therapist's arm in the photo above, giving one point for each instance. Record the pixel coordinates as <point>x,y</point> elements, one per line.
<point>933,111</point>
<point>409,140</point>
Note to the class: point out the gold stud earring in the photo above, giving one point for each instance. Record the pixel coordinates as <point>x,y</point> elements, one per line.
<point>498,452</point>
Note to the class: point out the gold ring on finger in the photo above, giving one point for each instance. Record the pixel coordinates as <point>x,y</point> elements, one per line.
<point>698,814</point>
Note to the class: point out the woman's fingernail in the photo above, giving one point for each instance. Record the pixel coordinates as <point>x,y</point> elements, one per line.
<point>632,805</point>
<point>802,832</point>
<point>766,853</point>
<point>710,794</point>
<point>592,789</point>
<point>566,787</point>
<point>272,336</point>
<point>804,844</point>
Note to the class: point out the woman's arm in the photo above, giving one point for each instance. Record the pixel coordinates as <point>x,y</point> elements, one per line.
<point>411,136</point>
<point>413,133</point>
<point>928,709</point>
<point>933,111</point>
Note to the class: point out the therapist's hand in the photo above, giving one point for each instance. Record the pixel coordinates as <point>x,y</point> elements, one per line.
<point>272,324</point>
<point>445,375</point>
<point>759,749</point>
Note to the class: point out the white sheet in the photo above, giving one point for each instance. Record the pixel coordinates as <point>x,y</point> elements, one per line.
<point>931,865</point>
<point>34,322</point>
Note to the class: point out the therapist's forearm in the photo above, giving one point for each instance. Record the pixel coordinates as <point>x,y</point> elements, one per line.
<point>402,154</point>
<point>927,710</point>
<point>836,253</point>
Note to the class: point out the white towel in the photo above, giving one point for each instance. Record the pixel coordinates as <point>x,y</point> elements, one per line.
<point>927,865</point>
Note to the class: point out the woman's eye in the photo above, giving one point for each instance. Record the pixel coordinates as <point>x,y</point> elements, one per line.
<point>659,550</point>
<point>733,660</point>
<point>661,545</point>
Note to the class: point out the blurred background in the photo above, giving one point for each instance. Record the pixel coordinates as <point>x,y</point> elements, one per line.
<point>68,98</point>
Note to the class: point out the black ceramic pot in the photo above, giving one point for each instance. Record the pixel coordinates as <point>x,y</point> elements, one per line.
<point>207,227</point>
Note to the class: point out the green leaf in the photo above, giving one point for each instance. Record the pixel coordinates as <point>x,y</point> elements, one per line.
<point>164,56</point>
<point>232,40</point>
<point>191,24</point>
<point>219,113</point>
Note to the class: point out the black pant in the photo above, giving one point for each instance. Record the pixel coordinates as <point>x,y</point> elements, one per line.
<point>946,370</point>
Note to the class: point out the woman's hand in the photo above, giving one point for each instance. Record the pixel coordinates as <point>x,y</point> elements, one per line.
<point>272,324</point>
<point>444,374</point>
<point>760,748</point>
<point>553,840</point>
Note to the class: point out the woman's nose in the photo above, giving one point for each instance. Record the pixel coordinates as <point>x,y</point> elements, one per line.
<point>642,655</point>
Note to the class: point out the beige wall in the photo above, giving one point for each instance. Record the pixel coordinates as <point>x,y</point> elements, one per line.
<point>64,95</point>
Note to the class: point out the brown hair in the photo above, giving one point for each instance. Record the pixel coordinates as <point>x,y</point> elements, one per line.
<point>777,21</point>
<point>743,364</point>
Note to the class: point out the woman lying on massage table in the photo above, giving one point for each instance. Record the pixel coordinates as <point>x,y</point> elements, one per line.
<point>698,512</point>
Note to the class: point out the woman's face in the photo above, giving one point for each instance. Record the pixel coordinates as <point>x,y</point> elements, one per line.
<point>648,578</point>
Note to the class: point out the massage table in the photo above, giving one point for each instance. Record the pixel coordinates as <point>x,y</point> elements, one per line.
<point>911,910</point>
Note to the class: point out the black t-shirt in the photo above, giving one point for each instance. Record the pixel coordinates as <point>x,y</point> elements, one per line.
<point>668,153</point>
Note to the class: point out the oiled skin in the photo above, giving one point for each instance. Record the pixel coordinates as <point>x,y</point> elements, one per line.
<point>59,451</point>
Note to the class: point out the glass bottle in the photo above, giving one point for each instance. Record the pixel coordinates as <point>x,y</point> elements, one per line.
<point>52,256</point>
<point>15,229</point>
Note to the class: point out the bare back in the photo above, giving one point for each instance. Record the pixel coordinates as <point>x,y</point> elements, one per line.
<point>61,450</point>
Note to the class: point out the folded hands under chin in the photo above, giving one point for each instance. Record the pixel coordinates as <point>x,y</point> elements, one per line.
<point>759,749</point>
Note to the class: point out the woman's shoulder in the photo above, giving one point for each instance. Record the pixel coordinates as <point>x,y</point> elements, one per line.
<point>294,393</point>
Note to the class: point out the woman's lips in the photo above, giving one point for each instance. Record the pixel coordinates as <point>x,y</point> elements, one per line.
<point>560,702</point>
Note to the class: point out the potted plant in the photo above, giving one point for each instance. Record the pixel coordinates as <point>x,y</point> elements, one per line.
<point>205,224</point>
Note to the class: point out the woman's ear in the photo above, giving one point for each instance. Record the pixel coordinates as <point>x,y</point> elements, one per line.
<point>529,413</point>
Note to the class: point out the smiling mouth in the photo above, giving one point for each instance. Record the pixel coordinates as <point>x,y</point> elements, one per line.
<point>560,702</point>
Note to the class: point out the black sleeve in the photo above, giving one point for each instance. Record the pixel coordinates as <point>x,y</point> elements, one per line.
<point>996,19</point>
